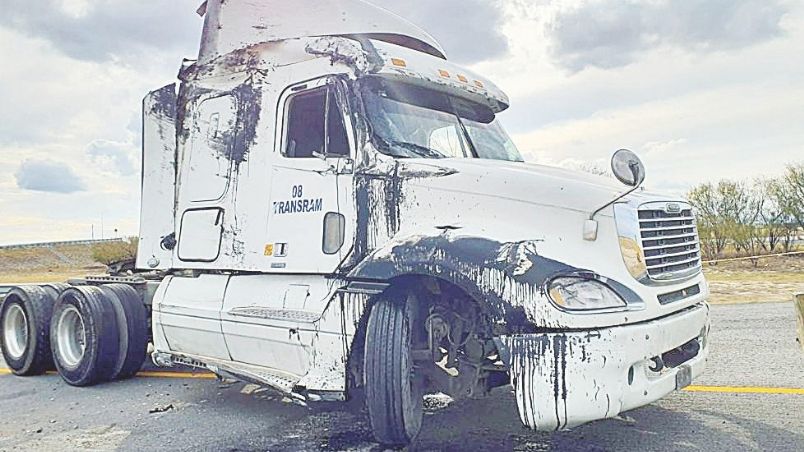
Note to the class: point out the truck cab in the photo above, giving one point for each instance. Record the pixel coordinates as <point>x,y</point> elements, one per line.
<point>334,209</point>
<point>328,189</point>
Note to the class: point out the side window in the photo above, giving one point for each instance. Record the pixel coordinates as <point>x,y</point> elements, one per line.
<point>305,126</point>
<point>315,125</point>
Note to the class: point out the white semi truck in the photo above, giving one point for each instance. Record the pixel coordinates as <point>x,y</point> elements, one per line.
<point>331,208</point>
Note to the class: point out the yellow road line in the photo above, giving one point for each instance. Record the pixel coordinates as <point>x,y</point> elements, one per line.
<point>745,390</point>
<point>715,389</point>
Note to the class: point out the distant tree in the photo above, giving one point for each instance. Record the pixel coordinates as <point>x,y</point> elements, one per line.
<point>780,225</point>
<point>728,213</point>
<point>110,252</point>
<point>741,206</point>
<point>707,202</point>
<point>792,194</point>
<point>755,218</point>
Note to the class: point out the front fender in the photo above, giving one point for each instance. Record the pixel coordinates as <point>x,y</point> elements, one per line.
<point>506,278</point>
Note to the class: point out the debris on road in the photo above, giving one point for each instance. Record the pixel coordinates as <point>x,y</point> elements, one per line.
<point>161,409</point>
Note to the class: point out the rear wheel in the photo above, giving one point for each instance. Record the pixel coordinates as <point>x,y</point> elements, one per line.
<point>25,337</point>
<point>84,336</point>
<point>393,390</point>
<point>55,289</point>
<point>132,322</point>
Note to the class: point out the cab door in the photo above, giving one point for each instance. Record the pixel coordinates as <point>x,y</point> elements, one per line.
<point>269,320</point>
<point>312,167</point>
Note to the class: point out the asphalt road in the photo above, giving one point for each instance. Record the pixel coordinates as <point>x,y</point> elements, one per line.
<point>753,346</point>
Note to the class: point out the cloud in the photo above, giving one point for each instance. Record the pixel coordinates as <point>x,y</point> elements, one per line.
<point>664,147</point>
<point>48,176</point>
<point>122,30</point>
<point>119,157</point>
<point>105,30</point>
<point>469,30</point>
<point>614,33</point>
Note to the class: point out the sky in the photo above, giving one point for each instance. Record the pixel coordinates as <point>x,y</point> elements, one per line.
<point>700,89</point>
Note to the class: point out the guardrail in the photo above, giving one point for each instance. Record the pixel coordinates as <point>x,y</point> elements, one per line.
<point>52,244</point>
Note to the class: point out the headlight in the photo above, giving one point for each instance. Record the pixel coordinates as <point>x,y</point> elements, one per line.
<point>575,293</point>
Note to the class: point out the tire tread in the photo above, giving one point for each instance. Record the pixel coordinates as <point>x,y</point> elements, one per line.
<point>386,342</point>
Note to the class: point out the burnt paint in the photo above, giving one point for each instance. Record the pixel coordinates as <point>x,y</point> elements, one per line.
<point>164,102</point>
<point>455,260</point>
<point>249,102</point>
<point>384,190</point>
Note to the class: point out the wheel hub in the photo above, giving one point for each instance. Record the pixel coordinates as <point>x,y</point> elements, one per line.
<point>15,329</point>
<point>71,337</point>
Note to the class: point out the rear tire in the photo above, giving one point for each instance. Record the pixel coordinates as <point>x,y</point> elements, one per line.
<point>393,394</point>
<point>84,336</point>
<point>132,322</point>
<point>25,324</point>
<point>55,289</point>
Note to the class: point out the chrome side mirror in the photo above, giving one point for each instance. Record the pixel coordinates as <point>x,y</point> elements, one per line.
<point>628,168</point>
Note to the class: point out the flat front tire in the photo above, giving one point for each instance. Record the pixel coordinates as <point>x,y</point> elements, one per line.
<point>393,394</point>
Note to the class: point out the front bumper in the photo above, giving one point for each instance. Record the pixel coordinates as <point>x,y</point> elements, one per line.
<point>565,379</point>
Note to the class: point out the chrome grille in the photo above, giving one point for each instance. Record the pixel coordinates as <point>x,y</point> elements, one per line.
<point>669,238</point>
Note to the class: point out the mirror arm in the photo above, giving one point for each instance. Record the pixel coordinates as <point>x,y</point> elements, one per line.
<point>594,214</point>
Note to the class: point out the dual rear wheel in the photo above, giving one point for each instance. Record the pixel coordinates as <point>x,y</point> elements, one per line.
<point>89,334</point>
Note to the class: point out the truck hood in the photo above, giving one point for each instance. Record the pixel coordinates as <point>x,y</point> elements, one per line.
<point>516,181</point>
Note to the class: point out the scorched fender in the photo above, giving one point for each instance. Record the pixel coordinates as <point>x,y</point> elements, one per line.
<point>506,278</point>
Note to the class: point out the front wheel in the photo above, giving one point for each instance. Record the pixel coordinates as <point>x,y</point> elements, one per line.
<point>393,390</point>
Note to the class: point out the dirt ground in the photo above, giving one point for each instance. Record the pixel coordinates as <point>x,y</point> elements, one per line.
<point>774,279</point>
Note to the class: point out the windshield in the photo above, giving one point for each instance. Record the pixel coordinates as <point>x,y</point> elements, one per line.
<point>409,121</point>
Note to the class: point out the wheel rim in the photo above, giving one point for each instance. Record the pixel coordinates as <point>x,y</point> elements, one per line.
<point>71,336</point>
<point>15,328</point>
